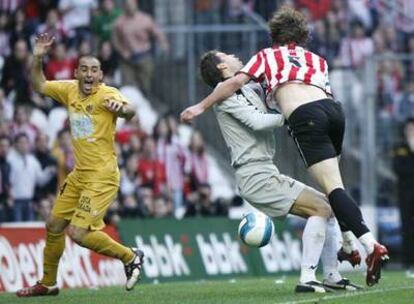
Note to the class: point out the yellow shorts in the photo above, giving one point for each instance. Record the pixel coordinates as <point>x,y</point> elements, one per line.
<point>84,204</point>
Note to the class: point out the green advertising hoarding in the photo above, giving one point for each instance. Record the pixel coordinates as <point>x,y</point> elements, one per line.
<point>207,248</point>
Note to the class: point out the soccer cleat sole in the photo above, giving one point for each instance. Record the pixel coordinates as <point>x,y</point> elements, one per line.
<point>309,288</point>
<point>348,286</point>
<point>37,291</point>
<point>377,274</point>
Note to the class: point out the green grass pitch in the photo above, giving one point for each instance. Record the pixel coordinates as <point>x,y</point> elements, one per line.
<point>394,288</point>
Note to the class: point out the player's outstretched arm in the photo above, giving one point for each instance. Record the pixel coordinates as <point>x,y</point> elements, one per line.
<point>222,92</point>
<point>43,42</point>
<point>122,110</point>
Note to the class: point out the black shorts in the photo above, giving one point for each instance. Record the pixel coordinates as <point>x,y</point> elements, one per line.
<point>318,130</point>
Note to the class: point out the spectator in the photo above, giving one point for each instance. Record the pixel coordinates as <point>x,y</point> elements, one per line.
<point>131,208</point>
<point>46,159</point>
<point>162,207</point>
<point>389,84</point>
<point>410,63</point>
<point>359,10</point>
<point>235,9</point>
<point>26,173</point>
<point>60,66</point>
<point>85,48</point>
<point>6,200</point>
<point>133,146</point>
<point>21,124</point>
<point>10,6</point>
<point>207,12</point>
<point>129,179</point>
<point>63,153</point>
<point>103,22</point>
<point>38,10</point>
<point>4,128</point>
<point>324,42</point>
<point>199,203</point>
<point>112,217</point>
<point>356,47</point>
<point>129,128</point>
<point>109,63</point>
<point>339,15</point>
<point>54,27</point>
<point>43,208</point>
<point>146,202</point>
<point>20,29</point>
<point>16,73</point>
<point>318,9</point>
<point>404,169</point>
<point>404,21</point>
<point>385,39</point>
<point>151,171</point>
<point>173,13</point>
<point>172,155</point>
<point>77,17</point>
<point>4,35</point>
<point>131,37</point>
<point>198,161</point>
<point>6,107</point>
<point>404,108</point>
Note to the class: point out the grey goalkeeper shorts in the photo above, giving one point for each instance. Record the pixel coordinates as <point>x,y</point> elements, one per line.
<point>262,185</point>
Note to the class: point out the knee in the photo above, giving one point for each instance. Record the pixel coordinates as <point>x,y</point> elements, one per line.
<point>76,234</point>
<point>55,225</point>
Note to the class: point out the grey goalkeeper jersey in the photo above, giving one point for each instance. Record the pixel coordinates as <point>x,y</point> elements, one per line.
<point>247,127</point>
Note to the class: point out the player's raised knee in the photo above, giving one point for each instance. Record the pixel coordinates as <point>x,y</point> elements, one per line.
<point>55,225</point>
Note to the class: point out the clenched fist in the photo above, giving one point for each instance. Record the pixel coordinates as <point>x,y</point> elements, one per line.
<point>190,113</point>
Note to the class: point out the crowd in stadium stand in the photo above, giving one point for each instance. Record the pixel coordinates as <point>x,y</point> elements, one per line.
<point>160,177</point>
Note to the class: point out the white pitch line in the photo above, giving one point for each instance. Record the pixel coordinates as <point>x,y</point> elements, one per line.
<point>347,295</point>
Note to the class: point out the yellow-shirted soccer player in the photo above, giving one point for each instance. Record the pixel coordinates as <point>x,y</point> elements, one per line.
<point>90,188</point>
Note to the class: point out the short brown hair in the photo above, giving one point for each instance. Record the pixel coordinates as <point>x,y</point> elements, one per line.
<point>288,26</point>
<point>208,68</point>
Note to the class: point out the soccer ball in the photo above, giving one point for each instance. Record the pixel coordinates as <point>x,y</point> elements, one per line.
<point>256,229</point>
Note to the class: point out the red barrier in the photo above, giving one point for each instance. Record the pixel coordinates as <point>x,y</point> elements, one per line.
<point>21,260</point>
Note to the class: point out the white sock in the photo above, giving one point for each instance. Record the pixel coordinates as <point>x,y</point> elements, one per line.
<point>329,253</point>
<point>368,241</point>
<point>313,239</point>
<point>348,243</point>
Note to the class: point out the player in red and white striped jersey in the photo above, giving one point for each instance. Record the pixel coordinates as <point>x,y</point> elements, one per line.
<point>298,85</point>
<point>278,65</point>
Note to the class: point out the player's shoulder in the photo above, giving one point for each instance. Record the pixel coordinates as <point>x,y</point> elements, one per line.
<point>105,89</point>
<point>66,85</point>
<point>65,82</point>
<point>232,97</point>
<point>144,16</point>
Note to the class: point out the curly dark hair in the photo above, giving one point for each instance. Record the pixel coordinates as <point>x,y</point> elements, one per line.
<point>208,68</point>
<point>287,25</point>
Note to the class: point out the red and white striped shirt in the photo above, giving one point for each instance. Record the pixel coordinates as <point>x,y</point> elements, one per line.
<point>278,65</point>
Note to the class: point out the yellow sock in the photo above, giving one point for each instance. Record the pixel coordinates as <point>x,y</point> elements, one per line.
<point>55,244</point>
<point>102,243</point>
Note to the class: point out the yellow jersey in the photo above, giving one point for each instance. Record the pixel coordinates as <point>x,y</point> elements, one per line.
<point>92,128</point>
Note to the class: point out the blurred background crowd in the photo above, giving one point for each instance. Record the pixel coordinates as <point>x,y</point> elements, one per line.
<point>148,46</point>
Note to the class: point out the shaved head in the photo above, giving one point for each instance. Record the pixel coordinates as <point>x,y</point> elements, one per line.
<point>88,60</point>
